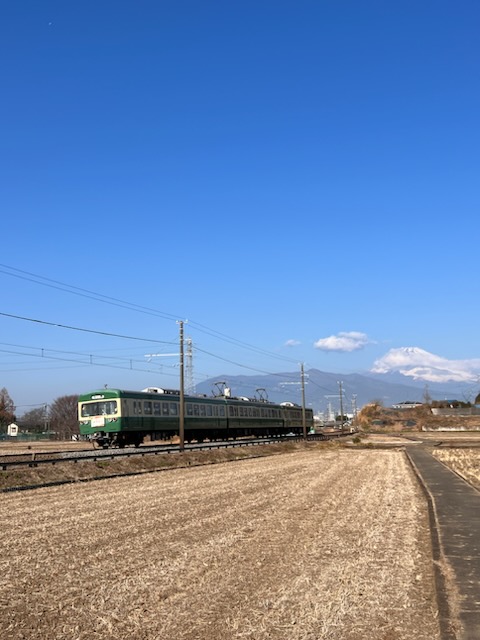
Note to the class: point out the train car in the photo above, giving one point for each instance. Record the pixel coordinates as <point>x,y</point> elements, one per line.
<point>113,417</point>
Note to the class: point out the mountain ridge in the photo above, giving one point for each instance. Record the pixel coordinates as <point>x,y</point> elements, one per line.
<point>323,388</point>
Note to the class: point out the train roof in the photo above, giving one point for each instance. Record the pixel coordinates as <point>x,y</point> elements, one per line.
<point>151,392</point>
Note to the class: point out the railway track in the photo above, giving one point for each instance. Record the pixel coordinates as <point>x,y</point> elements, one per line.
<point>35,459</point>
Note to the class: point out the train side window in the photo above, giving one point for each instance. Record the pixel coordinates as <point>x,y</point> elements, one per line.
<point>137,408</point>
<point>209,410</point>
<point>230,411</point>
<point>221,412</point>
<point>250,412</point>
<point>189,409</point>
<point>147,407</point>
<point>156,408</point>
<point>173,409</point>
<point>215,411</point>
<point>196,410</point>
<point>110,407</point>
<point>202,410</point>
<point>165,408</point>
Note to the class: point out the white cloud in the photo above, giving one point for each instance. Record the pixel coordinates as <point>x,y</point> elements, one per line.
<point>343,341</point>
<point>292,343</point>
<point>419,364</point>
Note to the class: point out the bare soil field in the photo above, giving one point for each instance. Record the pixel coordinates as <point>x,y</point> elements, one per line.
<point>447,436</point>
<point>465,462</point>
<point>315,544</point>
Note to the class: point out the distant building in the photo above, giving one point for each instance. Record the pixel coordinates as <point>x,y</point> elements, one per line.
<point>407,405</point>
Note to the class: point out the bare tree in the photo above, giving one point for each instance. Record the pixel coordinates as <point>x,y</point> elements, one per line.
<point>7,410</point>
<point>63,417</point>
<point>34,420</point>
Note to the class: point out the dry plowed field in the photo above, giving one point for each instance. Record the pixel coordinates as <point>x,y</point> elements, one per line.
<point>301,546</point>
<point>465,462</point>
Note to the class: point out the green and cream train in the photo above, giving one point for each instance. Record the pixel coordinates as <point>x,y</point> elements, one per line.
<point>112,417</point>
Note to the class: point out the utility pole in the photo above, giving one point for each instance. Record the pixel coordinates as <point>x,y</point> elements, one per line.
<point>45,417</point>
<point>189,383</point>
<point>341,403</point>
<point>181,426</point>
<point>427,398</point>
<point>304,420</point>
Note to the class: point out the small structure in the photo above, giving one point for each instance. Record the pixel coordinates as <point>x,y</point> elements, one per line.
<point>12,429</point>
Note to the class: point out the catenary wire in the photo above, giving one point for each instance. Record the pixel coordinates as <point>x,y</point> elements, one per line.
<point>37,279</point>
<point>117,302</point>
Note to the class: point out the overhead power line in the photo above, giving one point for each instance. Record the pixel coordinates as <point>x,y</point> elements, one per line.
<point>86,293</point>
<point>86,361</point>
<point>55,284</point>
<point>66,326</point>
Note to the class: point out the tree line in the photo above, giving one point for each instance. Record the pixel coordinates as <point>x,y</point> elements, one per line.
<point>59,418</point>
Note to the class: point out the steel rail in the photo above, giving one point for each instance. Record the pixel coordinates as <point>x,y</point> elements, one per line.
<point>8,458</point>
<point>103,454</point>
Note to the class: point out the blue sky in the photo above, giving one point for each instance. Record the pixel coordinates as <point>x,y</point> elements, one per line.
<point>299,177</point>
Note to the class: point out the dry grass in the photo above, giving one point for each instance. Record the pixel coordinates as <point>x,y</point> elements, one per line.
<point>306,546</point>
<point>466,462</point>
<point>383,438</point>
<point>105,468</point>
<point>23,446</point>
<point>448,436</point>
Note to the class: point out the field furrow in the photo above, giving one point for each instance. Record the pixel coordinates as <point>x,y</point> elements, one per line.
<point>307,545</point>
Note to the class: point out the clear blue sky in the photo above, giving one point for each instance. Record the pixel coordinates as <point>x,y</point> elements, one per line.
<point>274,171</point>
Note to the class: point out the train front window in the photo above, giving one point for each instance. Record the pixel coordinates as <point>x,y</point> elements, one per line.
<point>105,408</point>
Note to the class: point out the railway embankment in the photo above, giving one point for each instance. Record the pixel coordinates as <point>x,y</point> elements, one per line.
<point>25,477</point>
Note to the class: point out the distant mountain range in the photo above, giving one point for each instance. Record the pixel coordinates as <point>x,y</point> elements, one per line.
<point>401,375</point>
<point>322,388</point>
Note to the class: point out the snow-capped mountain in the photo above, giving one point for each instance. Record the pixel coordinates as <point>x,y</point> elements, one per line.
<point>419,365</point>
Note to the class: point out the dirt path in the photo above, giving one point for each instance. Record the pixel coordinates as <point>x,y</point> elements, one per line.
<point>301,546</point>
